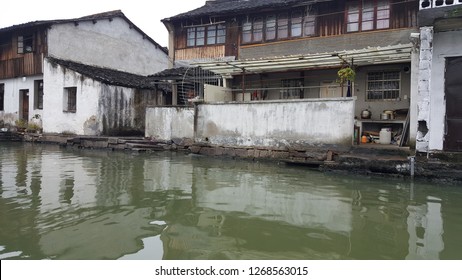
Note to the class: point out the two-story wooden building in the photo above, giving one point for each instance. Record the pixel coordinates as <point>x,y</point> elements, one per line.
<point>293,50</point>
<point>109,56</point>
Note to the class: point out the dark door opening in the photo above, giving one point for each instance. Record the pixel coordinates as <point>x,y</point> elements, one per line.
<point>453,93</point>
<point>24,104</point>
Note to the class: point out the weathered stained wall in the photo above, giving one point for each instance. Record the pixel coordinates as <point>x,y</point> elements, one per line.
<point>55,120</point>
<point>277,124</point>
<point>101,109</point>
<point>112,44</point>
<point>445,44</point>
<point>424,96</point>
<point>121,111</point>
<point>167,123</point>
<point>12,104</point>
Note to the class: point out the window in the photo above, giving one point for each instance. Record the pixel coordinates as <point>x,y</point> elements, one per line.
<point>247,32</point>
<point>292,89</point>
<point>296,25</point>
<point>283,26</point>
<point>70,99</point>
<point>278,27</point>
<point>353,17</point>
<point>206,35</point>
<point>384,85</point>
<point>200,36</point>
<point>2,97</point>
<point>270,28</point>
<point>221,34</point>
<point>309,25</point>
<point>383,15</point>
<point>257,30</point>
<point>368,15</point>
<point>25,44</point>
<point>38,94</point>
<point>252,31</point>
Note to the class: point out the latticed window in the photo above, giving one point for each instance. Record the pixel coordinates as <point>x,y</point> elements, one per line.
<point>384,85</point>
<point>278,27</point>
<point>70,99</point>
<point>206,35</point>
<point>25,44</point>
<point>367,15</point>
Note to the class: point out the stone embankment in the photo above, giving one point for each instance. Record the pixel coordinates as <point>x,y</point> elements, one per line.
<point>369,160</point>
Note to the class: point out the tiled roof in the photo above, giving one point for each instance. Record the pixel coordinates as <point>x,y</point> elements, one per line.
<point>224,7</point>
<point>106,75</point>
<point>180,73</point>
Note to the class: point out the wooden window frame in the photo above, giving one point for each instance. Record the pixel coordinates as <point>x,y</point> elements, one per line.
<point>211,35</point>
<point>296,24</point>
<point>278,27</point>
<point>70,100</point>
<point>360,17</point>
<point>25,44</point>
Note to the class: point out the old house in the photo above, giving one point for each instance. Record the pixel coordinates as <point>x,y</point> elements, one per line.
<point>440,78</point>
<point>279,61</point>
<point>66,74</point>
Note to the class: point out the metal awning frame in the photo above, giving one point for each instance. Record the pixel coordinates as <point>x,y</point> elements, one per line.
<point>368,56</point>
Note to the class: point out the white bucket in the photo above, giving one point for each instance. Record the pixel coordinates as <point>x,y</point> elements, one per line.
<point>385,136</point>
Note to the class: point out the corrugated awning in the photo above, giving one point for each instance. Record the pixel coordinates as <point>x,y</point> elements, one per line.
<point>368,56</point>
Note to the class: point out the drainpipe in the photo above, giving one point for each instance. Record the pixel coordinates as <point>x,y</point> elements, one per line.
<point>412,166</point>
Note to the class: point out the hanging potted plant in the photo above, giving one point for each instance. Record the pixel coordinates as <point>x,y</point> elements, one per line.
<point>346,75</point>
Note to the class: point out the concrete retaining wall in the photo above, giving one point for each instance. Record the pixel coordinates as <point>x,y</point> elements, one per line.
<point>287,124</point>
<point>167,123</point>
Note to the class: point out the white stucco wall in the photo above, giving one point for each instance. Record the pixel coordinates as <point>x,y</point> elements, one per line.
<point>167,123</point>
<point>12,105</point>
<point>445,44</point>
<point>54,119</point>
<point>277,124</point>
<point>111,44</point>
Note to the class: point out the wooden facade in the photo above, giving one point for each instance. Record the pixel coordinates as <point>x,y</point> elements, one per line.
<point>15,60</point>
<point>330,20</point>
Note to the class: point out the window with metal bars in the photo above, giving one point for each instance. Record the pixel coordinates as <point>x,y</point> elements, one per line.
<point>383,85</point>
<point>70,99</point>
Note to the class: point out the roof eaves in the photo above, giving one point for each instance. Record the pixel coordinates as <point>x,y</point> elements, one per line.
<point>216,8</point>
<point>105,75</point>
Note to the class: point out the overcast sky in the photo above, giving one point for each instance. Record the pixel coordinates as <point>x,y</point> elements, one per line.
<point>143,13</point>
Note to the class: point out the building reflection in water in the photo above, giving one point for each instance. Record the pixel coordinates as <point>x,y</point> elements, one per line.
<point>99,205</point>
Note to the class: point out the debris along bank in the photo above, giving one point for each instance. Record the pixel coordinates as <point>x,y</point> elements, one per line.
<point>373,160</point>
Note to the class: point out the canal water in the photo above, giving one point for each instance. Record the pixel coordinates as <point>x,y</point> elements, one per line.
<point>58,203</point>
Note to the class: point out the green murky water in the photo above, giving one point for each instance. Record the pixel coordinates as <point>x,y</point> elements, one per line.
<point>83,204</point>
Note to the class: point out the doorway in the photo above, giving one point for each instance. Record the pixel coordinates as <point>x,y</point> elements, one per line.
<point>453,92</point>
<point>24,104</point>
